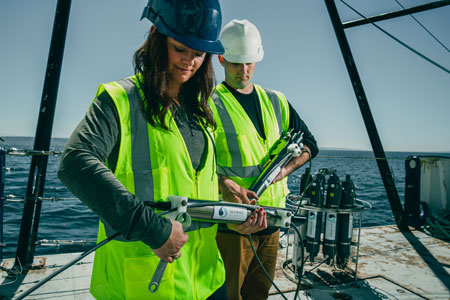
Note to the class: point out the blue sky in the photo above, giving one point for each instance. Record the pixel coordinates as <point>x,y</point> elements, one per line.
<point>409,97</point>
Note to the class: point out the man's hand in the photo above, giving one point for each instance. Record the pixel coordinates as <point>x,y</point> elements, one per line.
<point>170,250</point>
<point>283,173</point>
<point>255,223</point>
<point>293,164</point>
<point>233,192</point>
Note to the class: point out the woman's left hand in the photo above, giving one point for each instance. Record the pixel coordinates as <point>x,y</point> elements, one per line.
<point>254,223</point>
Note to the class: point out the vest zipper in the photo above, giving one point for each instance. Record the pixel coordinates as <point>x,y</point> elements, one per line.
<point>197,190</point>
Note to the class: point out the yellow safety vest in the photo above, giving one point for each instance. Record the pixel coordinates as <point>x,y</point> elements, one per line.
<point>241,152</point>
<point>152,164</point>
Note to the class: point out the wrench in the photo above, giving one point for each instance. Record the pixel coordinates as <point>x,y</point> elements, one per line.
<point>185,220</point>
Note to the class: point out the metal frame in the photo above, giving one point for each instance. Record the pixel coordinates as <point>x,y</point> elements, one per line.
<point>36,179</point>
<point>360,207</point>
<point>366,113</point>
<point>2,189</point>
<point>403,12</point>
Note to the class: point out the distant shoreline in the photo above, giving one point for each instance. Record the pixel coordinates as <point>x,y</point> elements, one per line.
<point>5,139</point>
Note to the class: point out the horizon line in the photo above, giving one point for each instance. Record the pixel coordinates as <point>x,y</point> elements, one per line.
<point>334,148</point>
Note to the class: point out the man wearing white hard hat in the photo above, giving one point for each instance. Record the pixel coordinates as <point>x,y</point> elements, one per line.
<point>250,120</point>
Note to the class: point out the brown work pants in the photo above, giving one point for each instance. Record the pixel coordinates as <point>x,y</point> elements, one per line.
<point>244,277</point>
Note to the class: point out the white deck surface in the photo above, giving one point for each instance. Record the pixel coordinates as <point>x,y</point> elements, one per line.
<point>389,267</point>
<point>72,284</point>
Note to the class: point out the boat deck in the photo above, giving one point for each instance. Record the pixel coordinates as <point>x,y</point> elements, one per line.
<point>391,265</point>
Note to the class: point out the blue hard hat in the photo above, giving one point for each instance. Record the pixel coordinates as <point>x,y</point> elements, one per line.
<point>194,23</point>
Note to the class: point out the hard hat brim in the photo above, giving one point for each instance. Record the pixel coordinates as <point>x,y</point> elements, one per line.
<point>244,59</point>
<point>213,47</point>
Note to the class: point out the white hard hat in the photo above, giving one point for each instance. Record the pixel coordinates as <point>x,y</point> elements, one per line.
<point>242,42</point>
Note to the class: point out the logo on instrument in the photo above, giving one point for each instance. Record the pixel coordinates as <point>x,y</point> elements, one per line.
<point>223,212</point>
<point>331,218</point>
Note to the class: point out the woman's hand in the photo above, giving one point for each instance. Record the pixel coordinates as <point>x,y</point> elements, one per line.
<point>254,223</point>
<point>170,250</point>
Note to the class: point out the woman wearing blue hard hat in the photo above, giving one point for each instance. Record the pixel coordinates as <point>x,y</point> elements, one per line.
<point>147,137</point>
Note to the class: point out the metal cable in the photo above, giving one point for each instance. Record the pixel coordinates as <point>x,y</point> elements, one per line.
<point>58,243</point>
<point>71,263</point>
<point>438,224</point>
<point>264,270</point>
<point>398,41</point>
<point>27,152</point>
<point>18,199</point>
<point>424,28</point>
<point>300,270</point>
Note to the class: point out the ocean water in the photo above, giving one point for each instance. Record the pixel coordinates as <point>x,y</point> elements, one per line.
<point>71,220</point>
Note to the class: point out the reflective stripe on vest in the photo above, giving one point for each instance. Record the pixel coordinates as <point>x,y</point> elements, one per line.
<point>237,169</point>
<point>143,181</point>
<point>277,109</point>
<point>241,150</point>
<point>123,269</point>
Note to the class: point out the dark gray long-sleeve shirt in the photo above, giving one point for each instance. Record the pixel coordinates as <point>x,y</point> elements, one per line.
<point>82,169</point>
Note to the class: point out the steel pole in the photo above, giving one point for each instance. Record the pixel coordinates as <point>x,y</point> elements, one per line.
<point>38,167</point>
<point>396,14</point>
<point>2,189</point>
<point>369,122</point>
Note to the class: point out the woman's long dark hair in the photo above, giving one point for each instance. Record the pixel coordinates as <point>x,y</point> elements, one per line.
<point>151,61</point>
